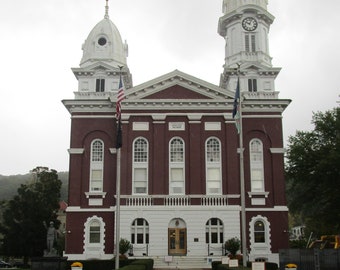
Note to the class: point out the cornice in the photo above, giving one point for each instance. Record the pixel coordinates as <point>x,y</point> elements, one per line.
<point>107,106</point>
<point>94,106</point>
<point>177,104</point>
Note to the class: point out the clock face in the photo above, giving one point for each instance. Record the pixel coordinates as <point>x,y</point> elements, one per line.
<point>249,24</point>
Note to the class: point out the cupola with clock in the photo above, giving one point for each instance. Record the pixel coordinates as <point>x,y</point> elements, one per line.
<point>245,27</point>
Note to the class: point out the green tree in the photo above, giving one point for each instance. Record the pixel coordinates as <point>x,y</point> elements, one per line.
<point>313,174</point>
<point>24,216</point>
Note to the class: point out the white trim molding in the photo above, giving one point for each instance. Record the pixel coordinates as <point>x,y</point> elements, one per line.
<point>76,151</point>
<point>277,150</point>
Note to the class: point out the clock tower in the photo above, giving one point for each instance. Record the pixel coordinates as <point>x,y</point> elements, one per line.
<point>245,27</point>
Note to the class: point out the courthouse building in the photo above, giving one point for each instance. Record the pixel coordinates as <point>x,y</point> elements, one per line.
<point>180,159</point>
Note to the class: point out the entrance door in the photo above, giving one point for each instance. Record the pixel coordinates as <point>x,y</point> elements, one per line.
<point>177,241</point>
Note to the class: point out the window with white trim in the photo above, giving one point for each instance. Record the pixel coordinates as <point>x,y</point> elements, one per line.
<point>100,85</point>
<point>252,85</point>
<point>96,166</point>
<point>259,232</point>
<point>256,165</point>
<point>176,166</point>
<point>94,232</point>
<point>250,42</point>
<point>213,166</point>
<point>140,231</point>
<point>140,166</point>
<point>94,237</point>
<point>214,231</point>
<point>260,236</point>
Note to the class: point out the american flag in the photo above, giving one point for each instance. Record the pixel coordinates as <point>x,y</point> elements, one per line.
<point>120,97</point>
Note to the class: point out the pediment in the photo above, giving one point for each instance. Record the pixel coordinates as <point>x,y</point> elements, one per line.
<point>177,85</point>
<point>96,67</point>
<point>260,69</point>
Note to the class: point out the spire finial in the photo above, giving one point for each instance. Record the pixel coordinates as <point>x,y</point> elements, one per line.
<point>107,10</point>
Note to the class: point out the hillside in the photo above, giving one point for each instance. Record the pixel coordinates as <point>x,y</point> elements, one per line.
<point>10,184</point>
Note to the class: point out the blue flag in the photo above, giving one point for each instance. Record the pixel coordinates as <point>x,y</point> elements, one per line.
<point>236,109</point>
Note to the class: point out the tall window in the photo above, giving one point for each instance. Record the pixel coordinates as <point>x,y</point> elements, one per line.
<point>140,231</point>
<point>250,42</point>
<point>96,166</point>
<point>214,231</point>
<point>176,167</point>
<point>94,232</point>
<point>213,166</point>
<point>140,166</point>
<point>259,232</point>
<point>256,165</point>
<point>252,85</point>
<point>100,85</point>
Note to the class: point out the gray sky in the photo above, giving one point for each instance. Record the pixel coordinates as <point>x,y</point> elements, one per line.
<point>41,40</point>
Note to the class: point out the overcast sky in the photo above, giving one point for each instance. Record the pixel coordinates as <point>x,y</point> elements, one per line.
<point>41,40</point>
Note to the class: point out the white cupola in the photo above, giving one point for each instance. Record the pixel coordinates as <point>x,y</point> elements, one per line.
<point>103,62</point>
<point>104,43</point>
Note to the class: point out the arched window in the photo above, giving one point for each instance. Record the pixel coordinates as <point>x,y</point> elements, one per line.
<point>140,231</point>
<point>259,232</point>
<point>256,165</point>
<point>96,166</point>
<point>94,232</point>
<point>177,167</point>
<point>260,236</point>
<point>213,166</point>
<point>214,231</point>
<point>140,166</point>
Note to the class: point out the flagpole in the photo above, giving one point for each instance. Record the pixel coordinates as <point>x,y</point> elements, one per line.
<point>117,208</point>
<point>242,185</point>
<point>120,97</point>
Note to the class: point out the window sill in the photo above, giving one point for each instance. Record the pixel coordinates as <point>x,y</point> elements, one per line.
<point>95,194</point>
<point>259,194</point>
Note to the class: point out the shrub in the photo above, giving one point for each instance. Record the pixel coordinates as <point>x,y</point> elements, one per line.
<point>233,245</point>
<point>124,246</point>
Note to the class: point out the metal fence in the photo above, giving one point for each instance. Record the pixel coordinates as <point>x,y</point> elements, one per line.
<point>311,259</point>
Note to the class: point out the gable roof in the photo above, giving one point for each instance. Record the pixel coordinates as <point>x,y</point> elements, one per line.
<point>177,85</point>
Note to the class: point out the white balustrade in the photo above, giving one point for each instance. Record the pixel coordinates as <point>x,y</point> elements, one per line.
<point>169,200</point>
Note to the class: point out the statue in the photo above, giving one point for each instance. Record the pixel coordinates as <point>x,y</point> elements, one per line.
<point>50,238</point>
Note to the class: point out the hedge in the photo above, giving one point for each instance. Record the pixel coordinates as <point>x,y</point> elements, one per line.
<point>134,267</point>
<point>223,267</point>
<point>215,264</point>
<point>148,263</point>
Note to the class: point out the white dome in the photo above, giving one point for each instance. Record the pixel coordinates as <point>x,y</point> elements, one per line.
<point>230,5</point>
<point>104,44</point>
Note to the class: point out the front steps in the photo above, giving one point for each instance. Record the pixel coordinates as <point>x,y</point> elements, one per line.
<point>182,262</point>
